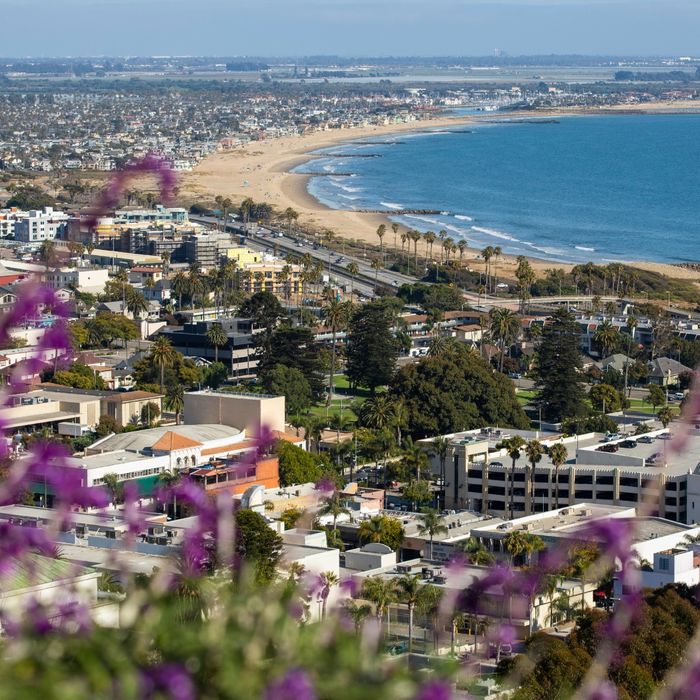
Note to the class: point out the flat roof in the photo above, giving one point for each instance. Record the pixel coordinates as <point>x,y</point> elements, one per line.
<point>109,459</point>
<point>140,440</point>
<point>33,418</point>
<point>231,394</point>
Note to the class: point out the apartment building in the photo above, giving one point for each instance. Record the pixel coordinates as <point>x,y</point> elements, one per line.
<point>84,279</point>
<point>271,275</point>
<point>39,226</point>
<point>480,475</point>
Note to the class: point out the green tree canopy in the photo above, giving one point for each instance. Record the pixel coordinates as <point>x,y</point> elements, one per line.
<point>258,544</point>
<point>371,347</point>
<point>291,383</point>
<point>559,371</point>
<point>297,466</point>
<point>454,391</point>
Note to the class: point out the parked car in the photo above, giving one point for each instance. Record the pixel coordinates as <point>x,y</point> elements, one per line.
<point>515,375</point>
<point>646,439</point>
<point>666,436</point>
<point>628,444</point>
<point>609,437</point>
<point>679,396</point>
<point>652,459</point>
<point>612,447</point>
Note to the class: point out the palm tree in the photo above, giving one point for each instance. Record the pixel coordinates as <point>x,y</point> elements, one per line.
<point>515,544</point>
<point>404,240</point>
<point>381,592</point>
<point>497,252</point>
<point>415,237</point>
<point>504,327</point>
<point>114,488</point>
<point>415,458</point>
<point>168,480</point>
<point>487,254</point>
<point>534,452</point>
<point>333,505</point>
<point>180,285</point>
<point>136,302</point>
<point>377,412</point>
<point>162,355</point>
<point>461,246</point>
<point>513,446</point>
<point>477,554</point>
<point>353,271</point>
<point>357,612</point>
<point>442,235</point>
<point>291,216</point>
<point>665,416</point>
<point>606,336</point>
<point>376,265</point>
<point>217,337</point>
<point>431,523</point>
<point>439,448</point>
<point>400,418</point>
<point>430,238</point>
<point>381,232</point>
<point>558,454</point>
<point>175,400</point>
<point>372,529</point>
<point>336,315</point>
<point>395,229</point>
<point>328,580</point>
<point>408,590</point>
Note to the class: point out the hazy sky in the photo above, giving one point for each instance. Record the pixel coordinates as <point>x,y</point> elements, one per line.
<point>348,27</point>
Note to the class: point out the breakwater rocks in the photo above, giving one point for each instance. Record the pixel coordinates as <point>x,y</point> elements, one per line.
<point>351,155</point>
<point>401,212</point>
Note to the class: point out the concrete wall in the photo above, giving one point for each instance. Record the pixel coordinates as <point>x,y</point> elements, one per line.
<point>247,412</point>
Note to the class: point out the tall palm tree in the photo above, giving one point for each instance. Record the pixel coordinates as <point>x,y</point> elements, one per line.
<point>381,592</point>
<point>415,458</point>
<point>328,580</point>
<point>162,355</point>
<point>175,401</point>
<point>534,452</point>
<point>431,524</point>
<point>408,590</point>
<point>114,488</point>
<point>357,612</point>
<point>291,216</point>
<point>353,271</point>
<point>497,252</point>
<point>515,544</point>
<point>513,446</point>
<point>376,265</point>
<point>415,237</point>
<point>504,327</point>
<point>336,315</point>
<point>439,449</point>
<point>404,240</point>
<point>371,529</point>
<point>381,232</point>
<point>168,480</point>
<point>217,337</point>
<point>181,286</point>
<point>395,229</point>
<point>442,235</point>
<point>487,254</point>
<point>399,412</point>
<point>558,454</point>
<point>430,237</point>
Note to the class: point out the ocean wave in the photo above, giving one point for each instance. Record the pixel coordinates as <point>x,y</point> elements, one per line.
<point>346,188</point>
<point>348,196</point>
<point>495,234</point>
<point>582,247</point>
<point>462,217</point>
<point>391,205</point>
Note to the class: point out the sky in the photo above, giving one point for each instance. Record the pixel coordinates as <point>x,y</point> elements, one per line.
<point>348,27</point>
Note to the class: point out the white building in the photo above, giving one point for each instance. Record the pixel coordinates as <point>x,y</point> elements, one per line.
<point>90,280</point>
<point>40,226</point>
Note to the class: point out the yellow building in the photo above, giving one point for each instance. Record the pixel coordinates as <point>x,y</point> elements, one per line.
<point>244,256</point>
<point>277,276</point>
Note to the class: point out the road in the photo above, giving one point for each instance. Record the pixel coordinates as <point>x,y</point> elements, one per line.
<point>334,263</point>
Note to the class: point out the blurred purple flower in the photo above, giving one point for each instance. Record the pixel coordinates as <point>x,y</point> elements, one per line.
<point>435,690</point>
<point>168,680</point>
<point>296,685</point>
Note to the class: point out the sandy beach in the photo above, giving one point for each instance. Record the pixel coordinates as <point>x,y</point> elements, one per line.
<point>261,170</point>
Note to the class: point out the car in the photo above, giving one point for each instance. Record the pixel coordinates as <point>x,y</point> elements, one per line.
<point>611,447</point>
<point>646,439</point>
<point>515,375</point>
<point>665,436</point>
<point>339,259</point>
<point>609,437</point>
<point>496,464</point>
<point>652,459</point>
<point>628,444</point>
<point>679,396</point>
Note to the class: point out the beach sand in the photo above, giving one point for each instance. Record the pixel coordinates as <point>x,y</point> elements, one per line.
<point>261,170</point>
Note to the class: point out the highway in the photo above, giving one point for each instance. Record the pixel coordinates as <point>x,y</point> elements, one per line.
<point>334,263</point>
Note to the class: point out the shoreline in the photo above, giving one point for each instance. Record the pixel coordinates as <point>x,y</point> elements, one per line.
<point>264,172</point>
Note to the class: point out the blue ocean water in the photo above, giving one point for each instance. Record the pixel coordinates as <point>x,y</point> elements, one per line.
<point>595,188</point>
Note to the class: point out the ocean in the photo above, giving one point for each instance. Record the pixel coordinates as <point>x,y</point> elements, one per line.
<point>599,188</point>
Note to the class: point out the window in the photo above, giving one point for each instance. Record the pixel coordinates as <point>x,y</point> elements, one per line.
<point>497,476</point>
<point>519,477</point>
<point>541,478</point>
<point>630,497</point>
<point>585,494</point>
<point>629,481</point>
<point>664,564</point>
<point>474,473</point>
<point>604,480</point>
<point>671,486</point>
<point>584,479</point>
<point>474,488</point>
<point>670,501</point>
<point>605,495</point>
<point>497,491</point>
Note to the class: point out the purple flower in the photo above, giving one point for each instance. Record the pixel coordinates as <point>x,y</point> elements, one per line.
<point>435,690</point>
<point>169,680</point>
<point>296,685</point>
